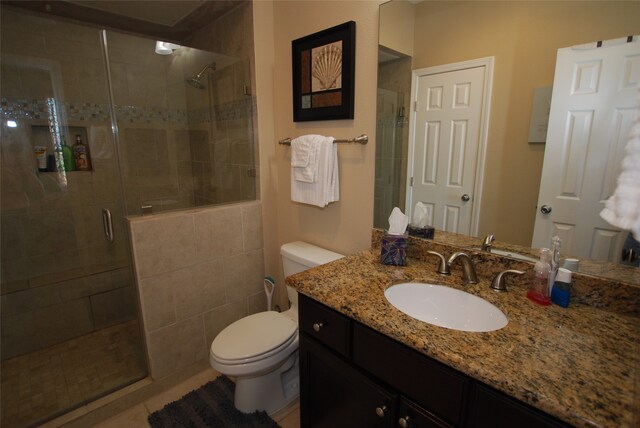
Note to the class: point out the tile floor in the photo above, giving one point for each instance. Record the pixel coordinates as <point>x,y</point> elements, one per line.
<point>48,381</point>
<point>137,416</point>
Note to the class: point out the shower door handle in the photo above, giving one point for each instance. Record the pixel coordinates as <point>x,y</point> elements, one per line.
<point>107,225</point>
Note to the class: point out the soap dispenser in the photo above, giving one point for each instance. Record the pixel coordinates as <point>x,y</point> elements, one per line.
<point>555,261</point>
<point>539,289</point>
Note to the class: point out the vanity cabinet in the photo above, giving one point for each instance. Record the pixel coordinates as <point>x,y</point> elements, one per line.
<point>490,408</point>
<point>339,395</point>
<point>353,376</point>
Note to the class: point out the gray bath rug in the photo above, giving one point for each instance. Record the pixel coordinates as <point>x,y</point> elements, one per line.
<point>211,405</point>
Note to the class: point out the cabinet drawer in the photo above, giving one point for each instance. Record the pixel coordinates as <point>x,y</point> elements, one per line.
<point>417,417</point>
<point>325,325</point>
<point>430,384</point>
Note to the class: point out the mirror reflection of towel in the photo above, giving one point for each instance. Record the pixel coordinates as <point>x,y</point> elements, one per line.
<point>325,188</point>
<point>623,208</point>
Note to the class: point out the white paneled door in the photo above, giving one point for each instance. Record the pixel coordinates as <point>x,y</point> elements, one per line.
<point>446,135</point>
<point>592,110</point>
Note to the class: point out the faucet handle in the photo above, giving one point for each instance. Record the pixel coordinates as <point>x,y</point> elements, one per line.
<point>498,282</point>
<point>443,268</point>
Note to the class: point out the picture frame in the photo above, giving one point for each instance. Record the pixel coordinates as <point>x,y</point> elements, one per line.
<point>323,66</point>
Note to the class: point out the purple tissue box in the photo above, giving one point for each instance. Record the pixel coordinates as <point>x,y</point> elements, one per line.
<point>394,250</point>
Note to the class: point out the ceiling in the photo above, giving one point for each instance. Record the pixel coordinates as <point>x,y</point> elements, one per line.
<point>166,13</point>
<point>173,21</point>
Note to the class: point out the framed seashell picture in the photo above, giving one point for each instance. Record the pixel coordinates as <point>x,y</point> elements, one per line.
<point>323,74</point>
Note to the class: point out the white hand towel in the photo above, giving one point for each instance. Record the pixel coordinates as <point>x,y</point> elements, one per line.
<point>326,187</point>
<point>623,208</point>
<point>304,157</point>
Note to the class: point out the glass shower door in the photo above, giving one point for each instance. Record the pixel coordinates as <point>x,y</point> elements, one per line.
<point>68,302</point>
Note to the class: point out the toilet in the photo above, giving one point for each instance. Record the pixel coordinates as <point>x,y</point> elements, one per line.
<point>261,350</point>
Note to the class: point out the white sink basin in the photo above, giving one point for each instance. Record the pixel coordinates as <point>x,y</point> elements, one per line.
<point>446,307</point>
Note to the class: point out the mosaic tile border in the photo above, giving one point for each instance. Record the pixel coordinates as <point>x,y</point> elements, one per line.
<point>17,109</point>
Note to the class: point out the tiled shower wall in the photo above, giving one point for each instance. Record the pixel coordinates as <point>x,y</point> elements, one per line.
<point>181,146</point>
<point>233,144</point>
<point>198,271</point>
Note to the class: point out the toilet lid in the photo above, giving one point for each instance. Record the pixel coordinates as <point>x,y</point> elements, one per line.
<point>253,335</point>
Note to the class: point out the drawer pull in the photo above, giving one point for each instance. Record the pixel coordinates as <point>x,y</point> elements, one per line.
<point>380,411</point>
<point>404,422</point>
<point>317,326</point>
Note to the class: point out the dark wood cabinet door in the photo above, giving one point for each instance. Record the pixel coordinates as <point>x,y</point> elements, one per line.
<point>334,394</point>
<point>439,389</point>
<point>492,409</point>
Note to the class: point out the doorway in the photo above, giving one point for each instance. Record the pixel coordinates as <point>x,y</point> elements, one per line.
<point>447,143</point>
<point>592,112</point>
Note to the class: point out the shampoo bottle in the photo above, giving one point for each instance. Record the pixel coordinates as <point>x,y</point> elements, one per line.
<point>67,157</point>
<point>81,155</point>
<point>539,290</point>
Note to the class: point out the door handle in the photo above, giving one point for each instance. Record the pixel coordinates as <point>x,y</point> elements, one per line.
<point>465,198</point>
<point>107,225</point>
<point>545,209</point>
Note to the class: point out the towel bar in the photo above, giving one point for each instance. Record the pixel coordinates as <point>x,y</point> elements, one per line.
<point>361,139</point>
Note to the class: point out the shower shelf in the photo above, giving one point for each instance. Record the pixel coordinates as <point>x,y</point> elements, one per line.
<point>41,135</point>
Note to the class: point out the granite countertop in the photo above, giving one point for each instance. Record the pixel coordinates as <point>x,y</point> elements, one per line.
<point>581,364</point>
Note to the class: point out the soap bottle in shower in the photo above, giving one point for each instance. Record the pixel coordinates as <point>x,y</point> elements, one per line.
<point>81,155</point>
<point>539,289</point>
<point>67,157</point>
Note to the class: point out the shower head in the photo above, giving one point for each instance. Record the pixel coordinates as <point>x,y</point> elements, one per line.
<point>195,80</point>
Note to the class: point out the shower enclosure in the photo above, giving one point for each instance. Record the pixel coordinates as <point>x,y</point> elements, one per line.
<point>392,137</point>
<point>70,328</point>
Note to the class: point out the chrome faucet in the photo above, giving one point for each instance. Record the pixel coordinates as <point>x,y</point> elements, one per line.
<point>486,244</point>
<point>468,268</point>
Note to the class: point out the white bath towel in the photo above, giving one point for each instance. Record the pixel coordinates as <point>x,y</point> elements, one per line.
<point>304,157</point>
<point>326,187</point>
<point>623,208</point>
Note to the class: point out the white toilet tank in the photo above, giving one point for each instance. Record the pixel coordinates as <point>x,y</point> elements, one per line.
<point>299,256</point>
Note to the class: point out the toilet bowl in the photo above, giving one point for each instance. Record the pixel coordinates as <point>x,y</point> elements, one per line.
<point>261,350</point>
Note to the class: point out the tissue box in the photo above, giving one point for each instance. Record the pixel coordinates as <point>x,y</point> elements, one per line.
<point>423,232</point>
<point>394,250</point>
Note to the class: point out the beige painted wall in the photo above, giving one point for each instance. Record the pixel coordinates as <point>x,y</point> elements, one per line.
<point>344,226</point>
<point>524,38</point>
<point>396,27</point>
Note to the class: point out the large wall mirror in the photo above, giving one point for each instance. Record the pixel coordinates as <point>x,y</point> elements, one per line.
<point>522,39</point>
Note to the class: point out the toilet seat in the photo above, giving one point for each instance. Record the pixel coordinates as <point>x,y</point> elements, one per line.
<point>253,338</point>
